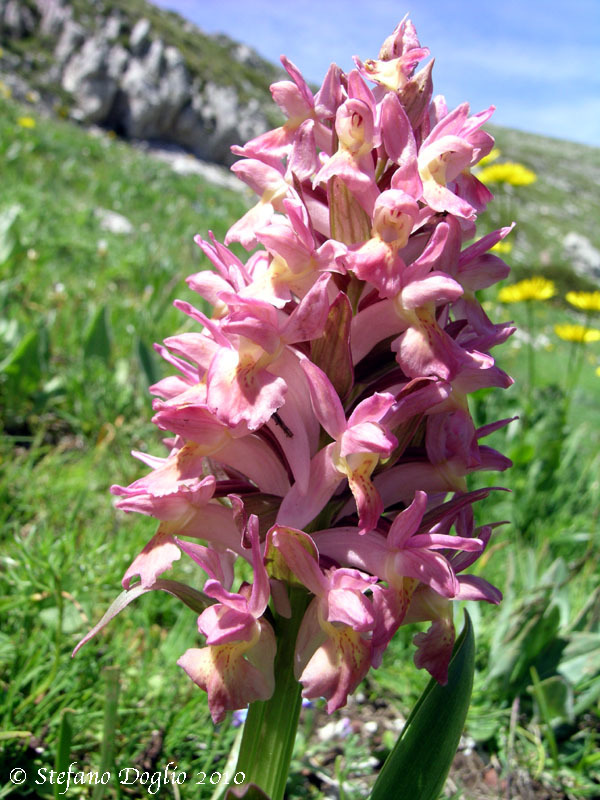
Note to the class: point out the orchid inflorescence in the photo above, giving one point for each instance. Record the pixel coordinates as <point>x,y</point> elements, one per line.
<point>322,431</point>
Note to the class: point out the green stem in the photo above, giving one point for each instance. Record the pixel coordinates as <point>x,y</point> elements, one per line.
<point>271,725</point>
<point>574,368</point>
<point>530,355</point>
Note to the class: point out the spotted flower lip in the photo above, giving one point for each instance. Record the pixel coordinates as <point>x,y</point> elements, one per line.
<point>320,439</point>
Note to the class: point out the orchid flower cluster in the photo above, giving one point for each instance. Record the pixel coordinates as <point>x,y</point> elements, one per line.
<point>319,417</point>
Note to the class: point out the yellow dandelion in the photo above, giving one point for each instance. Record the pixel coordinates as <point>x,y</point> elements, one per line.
<point>510,172</point>
<point>502,247</point>
<point>26,122</point>
<point>576,333</point>
<point>491,156</point>
<point>586,301</point>
<point>536,288</point>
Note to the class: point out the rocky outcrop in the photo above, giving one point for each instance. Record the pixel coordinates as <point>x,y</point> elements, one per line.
<point>122,74</point>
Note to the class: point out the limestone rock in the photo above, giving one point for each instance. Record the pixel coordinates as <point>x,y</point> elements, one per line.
<point>87,77</point>
<point>139,41</point>
<point>71,39</point>
<point>16,19</point>
<point>153,91</point>
<point>111,29</point>
<point>582,256</point>
<point>215,120</point>
<point>113,222</point>
<point>54,16</point>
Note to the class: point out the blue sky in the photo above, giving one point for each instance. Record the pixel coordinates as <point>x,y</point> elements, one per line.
<point>537,61</point>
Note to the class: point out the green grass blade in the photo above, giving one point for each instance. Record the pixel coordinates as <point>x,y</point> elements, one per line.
<point>96,339</point>
<point>148,363</point>
<point>419,763</point>
<point>63,750</point>
<point>111,705</point>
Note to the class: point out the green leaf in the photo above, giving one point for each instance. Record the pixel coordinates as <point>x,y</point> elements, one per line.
<point>96,339</point>
<point>419,763</point>
<point>193,599</point>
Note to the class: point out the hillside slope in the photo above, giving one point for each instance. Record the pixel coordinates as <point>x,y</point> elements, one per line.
<point>557,214</point>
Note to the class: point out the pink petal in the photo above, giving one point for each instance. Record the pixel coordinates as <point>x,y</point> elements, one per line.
<point>299,560</point>
<point>473,587</point>
<point>230,680</point>
<point>350,608</point>
<point>219,566</point>
<point>429,568</point>
<point>309,317</point>
<point>156,557</point>
<point>325,401</point>
<point>434,649</point>
<point>297,508</point>
<point>336,668</point>
<point>407,522</point>
<point>239,391</point>
<point>372,325</point>
<point>228,621</point>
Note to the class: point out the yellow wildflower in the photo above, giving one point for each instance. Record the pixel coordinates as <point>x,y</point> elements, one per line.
<point>502,247</point>
<point>26,122</point>
<point>598,371</point>
<point>536,288</point>
<point>576,333</point>
<point>586,301</point>
<point>491,156</point>
<point>510,172</point>
<point>5,91</point>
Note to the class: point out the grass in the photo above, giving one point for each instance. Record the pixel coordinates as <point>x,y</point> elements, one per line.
<point>80,309</point>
